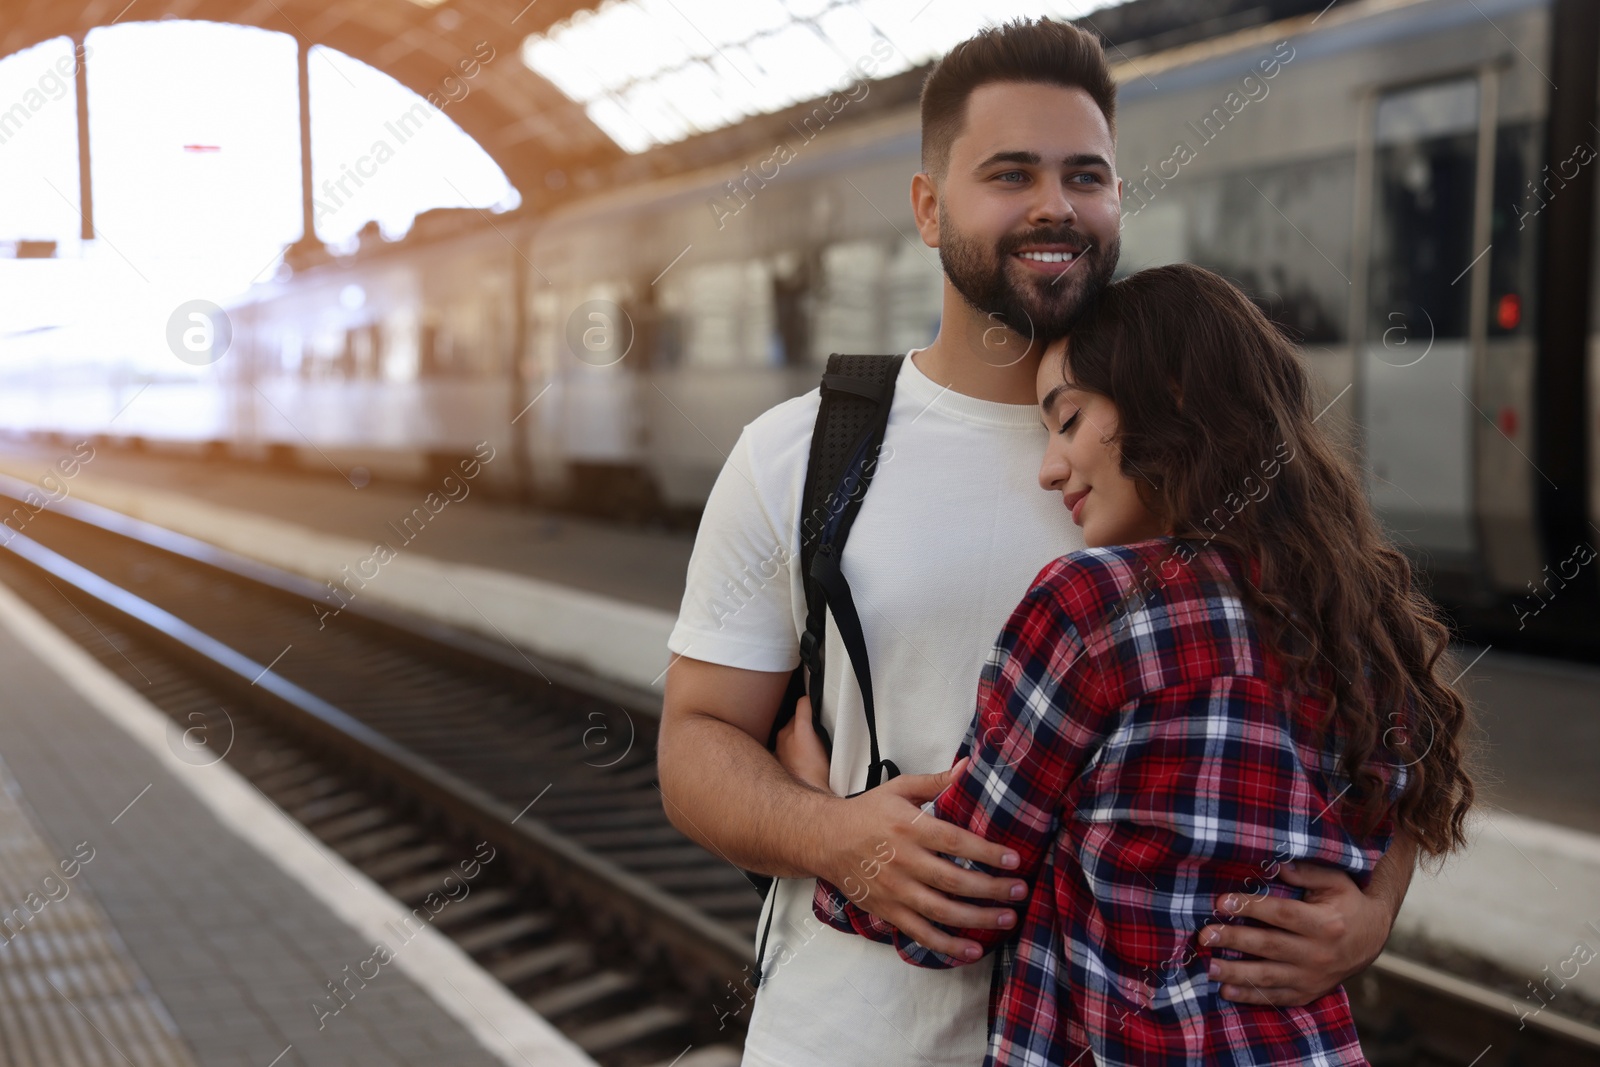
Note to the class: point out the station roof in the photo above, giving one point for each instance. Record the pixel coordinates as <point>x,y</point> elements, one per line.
<point>537,135</point>
<point>544,140</point>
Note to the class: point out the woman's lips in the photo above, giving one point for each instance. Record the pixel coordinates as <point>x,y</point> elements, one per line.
<point>1077,507</point>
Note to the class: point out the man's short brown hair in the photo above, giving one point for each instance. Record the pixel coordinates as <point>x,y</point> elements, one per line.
<point>1024,50</point>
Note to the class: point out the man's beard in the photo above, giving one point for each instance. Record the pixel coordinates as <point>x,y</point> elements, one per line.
<point>1040,307</point>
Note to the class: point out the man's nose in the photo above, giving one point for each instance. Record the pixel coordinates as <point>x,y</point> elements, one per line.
<point>1054,207</point>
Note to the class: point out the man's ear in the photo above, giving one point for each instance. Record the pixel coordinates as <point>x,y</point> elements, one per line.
<point>925,207</point>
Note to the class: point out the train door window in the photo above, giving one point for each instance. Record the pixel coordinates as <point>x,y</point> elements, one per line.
<point>1416,366</point>
<point>1425,160</point>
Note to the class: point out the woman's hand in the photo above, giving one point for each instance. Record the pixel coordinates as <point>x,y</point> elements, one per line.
<point>800,749</point>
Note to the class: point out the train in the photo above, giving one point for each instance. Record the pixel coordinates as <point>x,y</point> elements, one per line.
<point>1400,184</point>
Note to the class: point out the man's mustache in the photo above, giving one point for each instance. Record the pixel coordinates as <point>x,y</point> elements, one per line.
<point>1060,236</point>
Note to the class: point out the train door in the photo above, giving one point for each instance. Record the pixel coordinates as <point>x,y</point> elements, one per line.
<point>1425,226</point>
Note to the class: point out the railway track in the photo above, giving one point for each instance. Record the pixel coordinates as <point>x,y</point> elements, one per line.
<point>401,744</point>
<point>402,748</point>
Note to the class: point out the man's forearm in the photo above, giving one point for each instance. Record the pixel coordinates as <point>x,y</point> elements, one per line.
<point>731,795</point>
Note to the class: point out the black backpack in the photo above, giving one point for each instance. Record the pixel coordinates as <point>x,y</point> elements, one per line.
<point>856,394</point>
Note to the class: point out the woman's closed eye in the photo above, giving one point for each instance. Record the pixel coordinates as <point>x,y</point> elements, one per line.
<point>1065,426</point>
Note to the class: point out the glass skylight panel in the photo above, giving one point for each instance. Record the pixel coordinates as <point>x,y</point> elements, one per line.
<point>615,122</point>
<point>849,31</point>
<point>697,93</point>
<point>651,72</point>
<point>562,69</point>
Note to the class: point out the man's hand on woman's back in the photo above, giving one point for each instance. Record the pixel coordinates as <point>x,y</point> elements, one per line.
<point>724,789</point>
<point>1310,945</point>
<point>884,853</point>
<point>899,877</point>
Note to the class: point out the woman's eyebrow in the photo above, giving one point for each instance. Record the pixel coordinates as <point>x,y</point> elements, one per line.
<point>1049,402</point>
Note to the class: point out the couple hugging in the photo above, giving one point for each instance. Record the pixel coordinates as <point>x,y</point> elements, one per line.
<point>1208,742</point>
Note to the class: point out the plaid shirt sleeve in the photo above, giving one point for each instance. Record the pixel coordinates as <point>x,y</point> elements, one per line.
<point>1041,716</point>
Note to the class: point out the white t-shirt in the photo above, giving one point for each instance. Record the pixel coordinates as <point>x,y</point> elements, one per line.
<point>950,533</point>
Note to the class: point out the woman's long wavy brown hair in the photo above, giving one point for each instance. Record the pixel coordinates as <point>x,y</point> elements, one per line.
<point>1211,398</point>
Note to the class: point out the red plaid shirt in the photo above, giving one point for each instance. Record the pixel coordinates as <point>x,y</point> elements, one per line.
<point>1139,756</point>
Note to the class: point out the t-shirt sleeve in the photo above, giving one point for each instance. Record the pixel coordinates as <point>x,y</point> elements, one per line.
<point>738,598</point>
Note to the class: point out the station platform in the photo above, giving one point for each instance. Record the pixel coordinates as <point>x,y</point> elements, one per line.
<point>600,597</point>
<point>1523,897</point>
<point>162,914</point>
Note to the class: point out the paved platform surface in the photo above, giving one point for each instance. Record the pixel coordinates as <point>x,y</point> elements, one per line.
<point>69,990</point>
<point>206,886</point>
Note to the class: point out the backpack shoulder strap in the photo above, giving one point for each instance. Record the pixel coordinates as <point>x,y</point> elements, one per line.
<point>852,417</point>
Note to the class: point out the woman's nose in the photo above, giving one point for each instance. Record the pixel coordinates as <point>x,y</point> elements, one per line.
<point>1053,469</point>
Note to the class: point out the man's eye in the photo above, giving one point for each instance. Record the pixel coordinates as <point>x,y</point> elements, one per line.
<point>1093,179</point>
<point>1011,174</point>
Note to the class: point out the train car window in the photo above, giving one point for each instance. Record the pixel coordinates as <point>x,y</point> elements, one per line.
<point>727,314</point>
<point>794,282</point>
<point>669,341</point>
<point>428,351</point>
<point>470,337</point>
<point>644,333</point>
<point>363,351</point>
<point>397,360</point>
<point>1281,233</point>
<point>1514,230</point>
<point>1425,162</point>
<point>850,302</point>
<point>290,353</point>
<point>327,347</point>
<point>1154,234</point>
<point>916,295</point>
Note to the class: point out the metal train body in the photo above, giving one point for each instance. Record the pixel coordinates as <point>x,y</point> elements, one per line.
<point>1373,176</point>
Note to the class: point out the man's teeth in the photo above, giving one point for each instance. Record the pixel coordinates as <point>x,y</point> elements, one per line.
<point>1049,257</point>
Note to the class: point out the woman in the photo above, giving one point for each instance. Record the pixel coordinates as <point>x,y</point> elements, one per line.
<point>1235,675</point>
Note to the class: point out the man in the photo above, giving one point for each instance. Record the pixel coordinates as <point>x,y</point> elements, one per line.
<point>1019,193</point>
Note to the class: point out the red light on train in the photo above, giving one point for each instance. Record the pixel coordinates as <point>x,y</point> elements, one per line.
<point>1508,311</point>
<point>1507,421</point>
